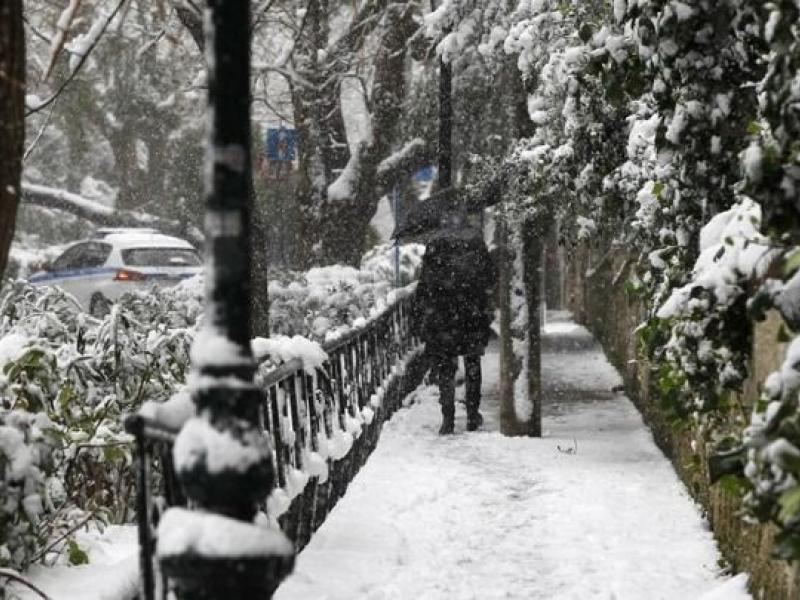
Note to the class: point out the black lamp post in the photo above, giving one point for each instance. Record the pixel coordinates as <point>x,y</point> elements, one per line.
<point>222,456</point>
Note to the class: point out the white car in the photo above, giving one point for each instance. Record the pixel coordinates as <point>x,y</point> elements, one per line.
<point>99,270</point>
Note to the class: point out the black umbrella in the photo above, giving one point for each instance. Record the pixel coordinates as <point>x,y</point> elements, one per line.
<point>426,215</point>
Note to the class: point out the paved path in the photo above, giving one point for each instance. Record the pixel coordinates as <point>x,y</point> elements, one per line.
<point>591,510</point>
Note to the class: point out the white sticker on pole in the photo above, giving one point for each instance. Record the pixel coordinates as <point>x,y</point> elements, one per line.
<point>232,156</point>
<point>224,223</point>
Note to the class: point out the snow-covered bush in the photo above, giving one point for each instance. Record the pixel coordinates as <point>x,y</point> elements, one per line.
<point>68,379</point>
<point>772,178</point>
<point>325,302</point>
<point>773,466</point>
<point>29,487</point>
<point>667,128</point>
<point>710,337</point>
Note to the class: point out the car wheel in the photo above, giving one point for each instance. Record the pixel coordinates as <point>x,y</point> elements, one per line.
<point>99,306</point>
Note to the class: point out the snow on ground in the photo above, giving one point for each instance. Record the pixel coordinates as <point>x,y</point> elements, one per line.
<point>592,510</point>
<point>111,574</point>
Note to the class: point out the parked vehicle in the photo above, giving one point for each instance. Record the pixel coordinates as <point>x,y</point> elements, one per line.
<point>97,271</point>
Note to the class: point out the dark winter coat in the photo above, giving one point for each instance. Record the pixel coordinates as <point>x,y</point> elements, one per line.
<point>452,298</point>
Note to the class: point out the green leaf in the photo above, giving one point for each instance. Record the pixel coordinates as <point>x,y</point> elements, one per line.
<point>789,502</point>
<point>791,262</point>
<point>113,454</point>
<point>658,187</point>
<point>753,128</point>
<point>733,485</point>
<point>64,397</point>
<point>783,336</point>
<point>634,287</point>
<point>787,546</point>
<point>76,554</point>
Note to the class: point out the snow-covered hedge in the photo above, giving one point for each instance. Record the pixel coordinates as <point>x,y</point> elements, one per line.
<point>325,302</point>
<point>667,128</point>
<point>68,378</point>
<point>709,338</point>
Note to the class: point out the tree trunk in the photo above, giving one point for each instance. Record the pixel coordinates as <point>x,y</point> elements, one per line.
<point>532,257</point>
<point>334,231</point>
<point>12,119</point>
<point>259,272</point>
<point>509,365</point>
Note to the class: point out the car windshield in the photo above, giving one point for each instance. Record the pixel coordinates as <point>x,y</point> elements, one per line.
<point>161,257</point>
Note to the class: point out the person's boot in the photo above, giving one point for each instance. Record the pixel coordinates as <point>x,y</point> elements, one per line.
<point>474,419</point>
<point>448,420</point>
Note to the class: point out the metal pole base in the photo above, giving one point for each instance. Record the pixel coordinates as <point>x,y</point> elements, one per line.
<point>207,578</point>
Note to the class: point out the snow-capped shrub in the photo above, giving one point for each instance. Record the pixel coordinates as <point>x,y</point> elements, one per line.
<point>772,178</point>
<point>773,459</point>
<point>68,378</point>
<point>324,302</point>
<point>30,491</point>
<point>710,341</point>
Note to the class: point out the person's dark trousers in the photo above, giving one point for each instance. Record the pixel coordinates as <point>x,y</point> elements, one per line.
<point>472,367</point>
<point>447,366</point>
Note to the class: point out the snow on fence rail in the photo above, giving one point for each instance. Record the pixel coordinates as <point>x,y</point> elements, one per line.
<point>324,421</point>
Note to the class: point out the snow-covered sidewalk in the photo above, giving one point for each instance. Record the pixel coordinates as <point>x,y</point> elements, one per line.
<point>591,510</point>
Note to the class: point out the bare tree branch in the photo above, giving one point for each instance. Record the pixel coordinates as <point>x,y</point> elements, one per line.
<point>39,135</point>
<point>103,215</point>
<point>80,64</point>
<point>14,576</point>
<point>191,18</point>
<point>403,163</point>
<point>62,29</point>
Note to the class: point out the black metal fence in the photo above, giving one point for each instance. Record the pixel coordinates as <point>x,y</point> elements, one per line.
<point>323,425</point>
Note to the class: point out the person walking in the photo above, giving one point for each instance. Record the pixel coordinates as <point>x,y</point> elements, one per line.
<point>451,312</point>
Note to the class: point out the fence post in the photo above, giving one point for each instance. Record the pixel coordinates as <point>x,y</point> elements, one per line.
<point>222,457</point>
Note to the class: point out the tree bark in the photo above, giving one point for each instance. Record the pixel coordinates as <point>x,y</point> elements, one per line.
<point>509,366</point>
<point>12,119</point>
<point>532,249</point>
<point>335,230</point>
<point>259,269</point>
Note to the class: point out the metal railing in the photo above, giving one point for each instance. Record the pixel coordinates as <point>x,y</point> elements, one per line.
<point>323,425</point>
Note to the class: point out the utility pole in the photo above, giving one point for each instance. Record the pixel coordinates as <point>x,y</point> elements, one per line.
<point>445,118</point>
<point>222,455</point>
<point>445,124</point>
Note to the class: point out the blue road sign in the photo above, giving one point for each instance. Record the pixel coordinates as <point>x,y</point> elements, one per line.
<point>281,144</point>
<point>425,174</point>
